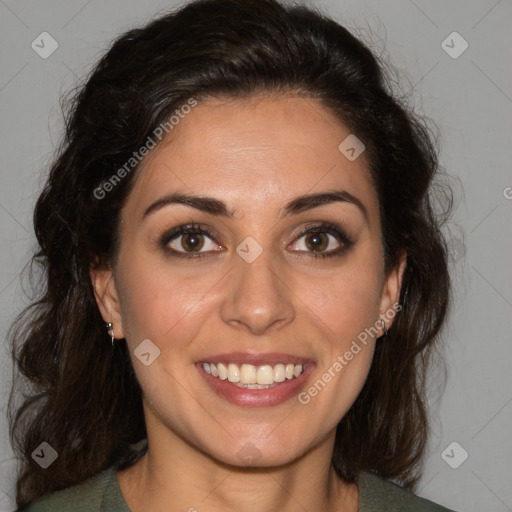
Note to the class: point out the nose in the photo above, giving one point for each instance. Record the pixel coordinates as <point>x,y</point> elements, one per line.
<point>257,298</point>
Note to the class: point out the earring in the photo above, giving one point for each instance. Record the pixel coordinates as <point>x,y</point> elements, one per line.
<point>386,330</point>
<point>110,330</point>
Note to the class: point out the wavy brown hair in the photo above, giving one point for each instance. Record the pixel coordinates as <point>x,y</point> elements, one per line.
<point>72,389</point>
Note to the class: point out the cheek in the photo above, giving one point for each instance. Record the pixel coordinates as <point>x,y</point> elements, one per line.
<point>346,300</point>
<point>345,306</point>
<point>164,302</point>
<point>160,303</point>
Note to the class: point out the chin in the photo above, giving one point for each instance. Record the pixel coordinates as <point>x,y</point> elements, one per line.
<point>247,453</point>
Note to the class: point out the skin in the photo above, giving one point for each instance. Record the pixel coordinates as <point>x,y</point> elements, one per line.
<point>255,155</point>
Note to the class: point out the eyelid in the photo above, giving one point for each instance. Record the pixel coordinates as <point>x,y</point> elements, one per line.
<point>183,229</point>
<point>327,227</point>
<point>314,226</point>
<point>190,228</point>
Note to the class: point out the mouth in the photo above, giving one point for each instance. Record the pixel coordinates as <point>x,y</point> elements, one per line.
<point>251,380</point>
<point>249,376</point>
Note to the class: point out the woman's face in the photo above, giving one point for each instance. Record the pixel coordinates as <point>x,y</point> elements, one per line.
<point>244,295</point>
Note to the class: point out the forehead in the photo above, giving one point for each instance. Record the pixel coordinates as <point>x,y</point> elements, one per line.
<point>253,153</point>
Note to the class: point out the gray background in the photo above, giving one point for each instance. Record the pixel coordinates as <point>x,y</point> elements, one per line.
<point>470,100</point>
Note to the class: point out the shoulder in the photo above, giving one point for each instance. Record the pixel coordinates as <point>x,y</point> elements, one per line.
<point>377,494</point>
<point>97,494</point>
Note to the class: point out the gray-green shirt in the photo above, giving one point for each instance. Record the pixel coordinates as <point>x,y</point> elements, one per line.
<point>101,493</point>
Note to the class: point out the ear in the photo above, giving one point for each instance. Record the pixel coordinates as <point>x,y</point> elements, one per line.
<point>107,298</point>
<point>391,293</point>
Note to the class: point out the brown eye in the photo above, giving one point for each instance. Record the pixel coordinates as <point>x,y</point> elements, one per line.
<point>323,239</point>
<point>192,242</point>
<point>316,241</point>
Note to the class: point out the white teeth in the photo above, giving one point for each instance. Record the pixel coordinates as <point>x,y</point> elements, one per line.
<point>233,373</point>
<point>265,375</point>
<point>248,374</point>
<point>223,371</point>
<point>254,377</point>
<point>279,373</point>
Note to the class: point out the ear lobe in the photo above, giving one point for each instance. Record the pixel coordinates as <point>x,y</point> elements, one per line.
<point>107,298</point>
<point>391,293</point>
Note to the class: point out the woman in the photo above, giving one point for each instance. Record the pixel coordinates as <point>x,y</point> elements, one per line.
<point>243,278</point>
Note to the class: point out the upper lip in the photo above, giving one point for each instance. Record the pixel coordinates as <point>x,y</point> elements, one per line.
<point>256,359</point>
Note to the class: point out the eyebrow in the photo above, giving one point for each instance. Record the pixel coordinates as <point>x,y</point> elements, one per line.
<point>218,208</point>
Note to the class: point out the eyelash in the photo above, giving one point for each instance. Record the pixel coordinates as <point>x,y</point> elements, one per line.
<point>322,227</point>
<point>331,229</point>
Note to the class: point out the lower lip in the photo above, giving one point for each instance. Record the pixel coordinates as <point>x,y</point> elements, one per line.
<point>268,397</point>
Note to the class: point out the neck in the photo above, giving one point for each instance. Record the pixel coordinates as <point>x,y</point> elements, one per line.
<point>190,480</point>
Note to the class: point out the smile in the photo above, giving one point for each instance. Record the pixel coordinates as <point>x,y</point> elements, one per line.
<point>254,377</point>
